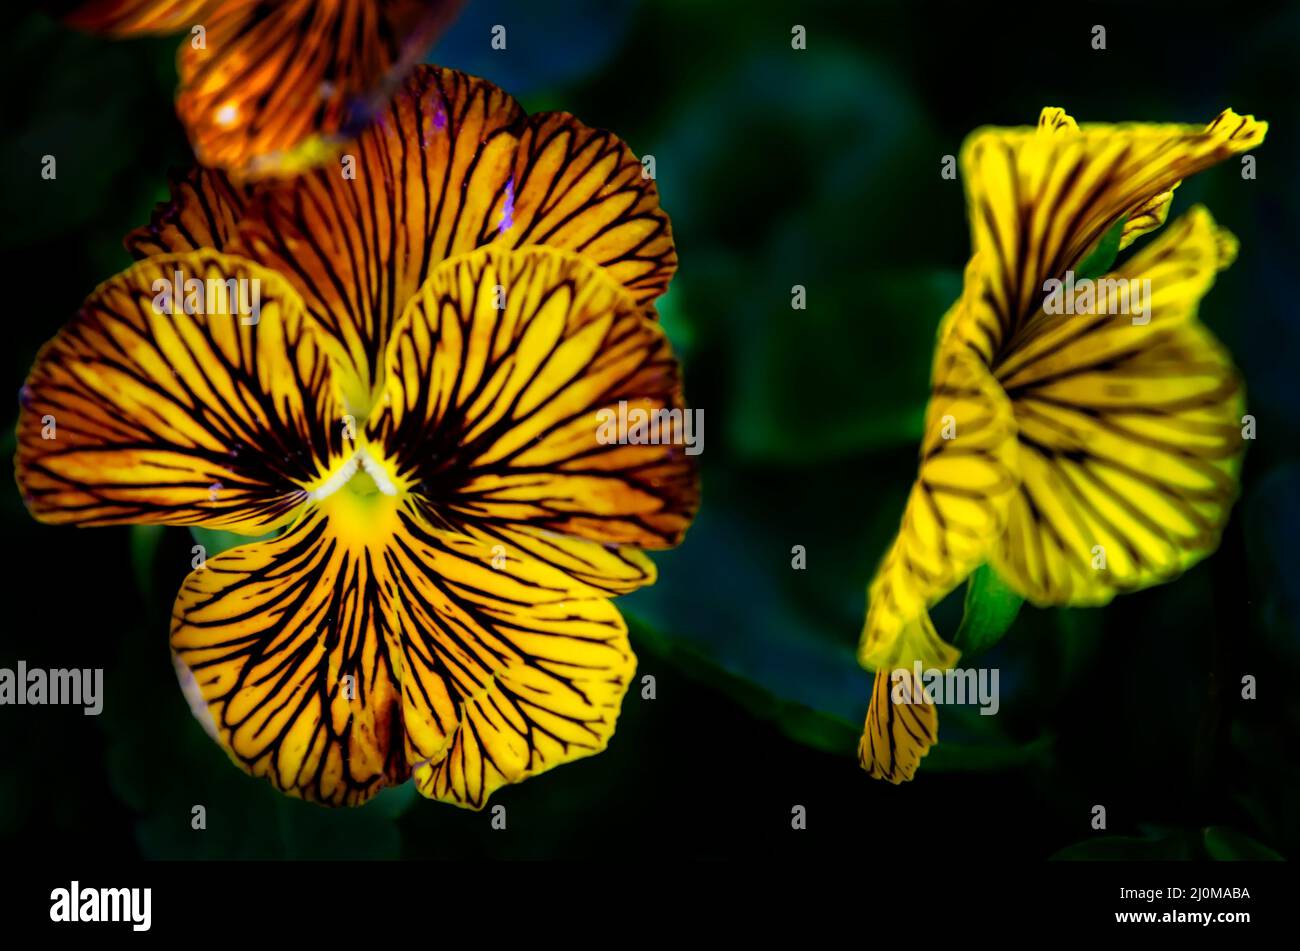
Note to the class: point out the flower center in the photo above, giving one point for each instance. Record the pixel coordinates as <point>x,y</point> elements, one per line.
<point>362,475</point>
<point>361,500</point>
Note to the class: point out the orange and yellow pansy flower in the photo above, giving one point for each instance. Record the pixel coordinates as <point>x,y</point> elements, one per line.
<point>414,409</point>
<point>1079,456</point>
<point>268,89</point>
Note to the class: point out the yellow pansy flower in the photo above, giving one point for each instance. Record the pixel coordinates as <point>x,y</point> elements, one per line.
<point>415,405</point>
<point>1079,453</point>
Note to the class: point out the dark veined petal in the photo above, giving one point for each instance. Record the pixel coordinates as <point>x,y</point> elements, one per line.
<point>203,211</point>
<point>140,17</point>
<point>954,514</point>
<point>613,569</point>
<point>1130,434</point>
<point>507,417</point>
<point>509,671</point>
<point>452,165</point>
<point>1143,217</point>
<point>428,175</point>
<point>581,189</point>
<point>287,641</point>
<point>280,87</point>
<point>270,89</point>
<point>902,724</point>
<point>1040,199</point>
<point>361,648</point>
<point>1054,119</point>
<point>134,414</point>
<point>1148,216</point>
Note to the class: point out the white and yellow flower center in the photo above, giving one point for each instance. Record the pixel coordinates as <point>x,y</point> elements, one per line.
<point>361,497</point>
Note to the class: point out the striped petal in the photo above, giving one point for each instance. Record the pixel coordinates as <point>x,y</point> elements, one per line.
<point>504,417</point>
<point>287,643</point>
<point>902,724</point>
<point>581,189</point>
<point>453,164</point>
<point>203,212</point>
<point>1130,433</point>
<point>509,670</point>
<point>280,87</point>
<point>430,177</point>
<point>142,17</point>
<point>134,414</point>
<point>611,568</point>
<point>272,89</point>
<point>361,649</point>
<point>1040,199</point>
<point>954,514</point>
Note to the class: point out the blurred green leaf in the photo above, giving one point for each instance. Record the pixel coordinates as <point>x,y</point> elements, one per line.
<point>83,134</point>
<point>842,141</point>
<point>1118,848</point>
<point>162,764</point>
<point>1270,513</point>
<point>145,540</point>
<point>395,800</point>
<point>991,608</point>
<point>1229,845</point>
<point>949,756</point>
<point>309,831</point>
<point>215,540</point>
<point>803,659</point>
<point>1103,256</point>
<point>674,322</point>
<point>800,722</point>
<point>802,675</point>
<point>803,392</point>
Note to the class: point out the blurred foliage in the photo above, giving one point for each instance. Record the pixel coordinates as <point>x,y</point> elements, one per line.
<point>782,169</point>
<point>990,609</point>
<point>1214,842</point>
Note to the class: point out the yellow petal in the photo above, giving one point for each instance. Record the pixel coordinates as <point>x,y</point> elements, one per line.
<point>613,569</point>
<point>288,645</point>
<point>428,174</point>
<point>1130,434</point>
<point>581,189</point>
<point>1148,216</point>
<point>362,648</point>
<point>955,512</point>
<point>1038,201</point>
<point>136,414</point>
<point>202,211</point>
<point>509,416</point>
<point>452,165</point>
<point>1054,120</point>
<point>901,726</point>
<point>510,670</point>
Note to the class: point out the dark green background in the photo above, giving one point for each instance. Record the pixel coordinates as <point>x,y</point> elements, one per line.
<point>779,167</point>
